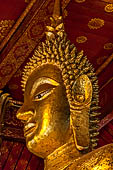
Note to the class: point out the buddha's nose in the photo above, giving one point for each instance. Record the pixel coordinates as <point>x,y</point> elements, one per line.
<point>25,113</point>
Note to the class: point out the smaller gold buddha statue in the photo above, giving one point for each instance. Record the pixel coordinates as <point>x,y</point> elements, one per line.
<point>61,105</point>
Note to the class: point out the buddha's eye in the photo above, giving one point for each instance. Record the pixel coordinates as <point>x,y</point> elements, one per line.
<point>42,95</point>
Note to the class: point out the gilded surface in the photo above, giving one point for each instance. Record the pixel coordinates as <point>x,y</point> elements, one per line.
<point>100,159</point>
<point>61,104</point>
<point>5,26</point>
<point>108,46</point>
<point>81,39</point>
<point>96,23</point>
<point>109,8</point>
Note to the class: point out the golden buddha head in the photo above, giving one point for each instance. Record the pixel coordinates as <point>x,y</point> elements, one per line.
<point>61,95</point>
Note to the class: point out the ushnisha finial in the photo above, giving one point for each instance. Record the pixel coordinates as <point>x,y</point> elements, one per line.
<point>56,11</point>
<point>57,26</point>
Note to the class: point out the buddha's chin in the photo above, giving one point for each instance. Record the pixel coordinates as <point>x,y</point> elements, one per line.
<point>42,145</point>
<point>39,154</point>
<point>36,148</point>
<point>31,147</point>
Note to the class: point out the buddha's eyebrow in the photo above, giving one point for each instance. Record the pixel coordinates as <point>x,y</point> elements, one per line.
<point>43,80</point>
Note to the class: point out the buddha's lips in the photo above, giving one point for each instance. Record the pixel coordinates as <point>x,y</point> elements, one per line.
<point>28,129</point>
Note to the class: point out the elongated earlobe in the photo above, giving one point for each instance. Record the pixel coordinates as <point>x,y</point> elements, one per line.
<point>80,112</point>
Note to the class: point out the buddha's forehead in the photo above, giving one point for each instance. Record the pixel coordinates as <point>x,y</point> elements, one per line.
<point>45,71</point>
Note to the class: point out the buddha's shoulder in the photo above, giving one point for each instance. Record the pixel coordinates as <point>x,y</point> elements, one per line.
<point>99,159</point>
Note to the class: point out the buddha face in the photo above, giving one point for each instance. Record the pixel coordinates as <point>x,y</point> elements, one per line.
<point>45,111</point>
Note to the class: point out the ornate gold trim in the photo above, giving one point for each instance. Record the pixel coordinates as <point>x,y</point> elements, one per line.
<point>81,39</point>
<point>109,8</point>
<point>5,26</point>
<point>108,46</point>
<point>21,18</point>
<point>96,23</point>
<point>17,23</point>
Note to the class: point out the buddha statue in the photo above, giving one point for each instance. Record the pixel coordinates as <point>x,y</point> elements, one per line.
<point>60,107</point>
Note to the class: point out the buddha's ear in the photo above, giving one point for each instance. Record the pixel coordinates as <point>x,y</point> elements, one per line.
<point>82,91</point>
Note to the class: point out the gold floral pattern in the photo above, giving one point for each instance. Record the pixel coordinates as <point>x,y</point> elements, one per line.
<point>81,39</point>
<point>80,1</point>
<point>108,46</point>
<point>96,23</point>
<point>5,26</point>
<point>109,8</point>
<point>6,70</point>
<point>36,30</point>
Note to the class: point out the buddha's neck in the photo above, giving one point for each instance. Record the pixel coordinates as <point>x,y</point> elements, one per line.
<point>62,157</point>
